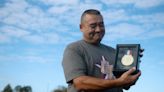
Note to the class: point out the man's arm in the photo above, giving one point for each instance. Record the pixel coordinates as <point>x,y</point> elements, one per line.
<point>88,83</point>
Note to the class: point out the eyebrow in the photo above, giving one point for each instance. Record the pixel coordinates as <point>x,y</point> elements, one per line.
<point>96,23</point>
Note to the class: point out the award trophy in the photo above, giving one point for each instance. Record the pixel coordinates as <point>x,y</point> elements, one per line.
<point>127,56</point>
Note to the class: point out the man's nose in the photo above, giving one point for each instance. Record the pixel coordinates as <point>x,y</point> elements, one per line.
<point>99,28</point>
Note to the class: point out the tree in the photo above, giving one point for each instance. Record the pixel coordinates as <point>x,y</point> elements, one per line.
<point>17,88</point>
<point>7,88</point>
<point>23,89</point>
<point>60,89</point>
<point>26,89</point>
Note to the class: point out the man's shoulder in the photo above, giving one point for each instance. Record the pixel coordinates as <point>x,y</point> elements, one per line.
<point>75,44</point>
<point>108,47</point>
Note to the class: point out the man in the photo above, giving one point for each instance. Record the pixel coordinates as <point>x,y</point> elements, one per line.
<point>81,58</point>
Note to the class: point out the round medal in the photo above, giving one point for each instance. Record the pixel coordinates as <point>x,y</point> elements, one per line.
<point>127,59</point>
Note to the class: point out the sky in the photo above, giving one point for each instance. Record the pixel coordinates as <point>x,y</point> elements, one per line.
<point>34,34</point>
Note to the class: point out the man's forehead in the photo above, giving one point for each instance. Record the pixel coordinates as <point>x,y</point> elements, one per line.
<point>90,18</point>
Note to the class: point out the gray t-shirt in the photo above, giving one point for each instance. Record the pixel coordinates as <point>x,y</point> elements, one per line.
<point>80,58</point>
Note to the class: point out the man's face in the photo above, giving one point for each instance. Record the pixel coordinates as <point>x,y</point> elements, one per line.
<point>93,28</point>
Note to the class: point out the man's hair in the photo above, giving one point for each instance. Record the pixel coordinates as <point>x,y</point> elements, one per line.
<point>90,11</point>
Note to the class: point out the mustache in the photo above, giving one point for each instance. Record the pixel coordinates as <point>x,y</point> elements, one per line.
<point>93,33</point>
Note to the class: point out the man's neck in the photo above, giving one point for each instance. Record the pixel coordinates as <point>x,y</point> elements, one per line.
<point>93,43</point>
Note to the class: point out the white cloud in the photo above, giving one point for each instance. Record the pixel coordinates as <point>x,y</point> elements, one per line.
<point>119,15</point>
<point>112,16</point>
<point>156,18</point>
<point>53,38</point>
<point>124,31</point>
<point>136,3</point>
<point>36,59</point>
<point>36,21</point>
<point>154,34</point>
<point>42,26</point>
<point>60,2</point>
<point>26,16</point>
<point>148,25</point>
<point>132,32</point>
<point>16,6</point>
<point>84,6</point>
<point>58,10</point>
<point>34,39</point>
<point>14,32</point>
<point>10,34</point>
<point>4,38</point>
<point>32,24</point>
<point>70,14</point>
<point>46,38</point>
<point>148,3</point>
<point>117,1</point>
<point>26,58</point>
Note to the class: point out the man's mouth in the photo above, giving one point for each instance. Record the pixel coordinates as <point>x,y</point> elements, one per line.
<point>97,34</point>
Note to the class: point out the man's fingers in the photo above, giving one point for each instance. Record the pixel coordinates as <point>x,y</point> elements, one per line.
<point>103,58</point>
<point>141,52</point>
<point>130,71</point>
<point>137,75</point>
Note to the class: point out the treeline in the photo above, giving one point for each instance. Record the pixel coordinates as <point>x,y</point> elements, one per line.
<point>20,88</point>
<point>60,89</point>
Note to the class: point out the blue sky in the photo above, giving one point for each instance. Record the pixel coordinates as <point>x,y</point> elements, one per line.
<point>34,34</point>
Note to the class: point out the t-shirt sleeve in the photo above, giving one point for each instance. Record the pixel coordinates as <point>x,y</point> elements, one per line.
<point>73,64</point>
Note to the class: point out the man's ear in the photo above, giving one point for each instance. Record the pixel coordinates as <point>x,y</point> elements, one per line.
<point>81,27</point>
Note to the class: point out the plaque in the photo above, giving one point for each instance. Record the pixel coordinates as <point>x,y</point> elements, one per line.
<point>127,56</point>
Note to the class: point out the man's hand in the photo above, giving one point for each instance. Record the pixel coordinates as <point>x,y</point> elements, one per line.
<point>141,55</point>
<point>106,69</point>
<point>127,78</point>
